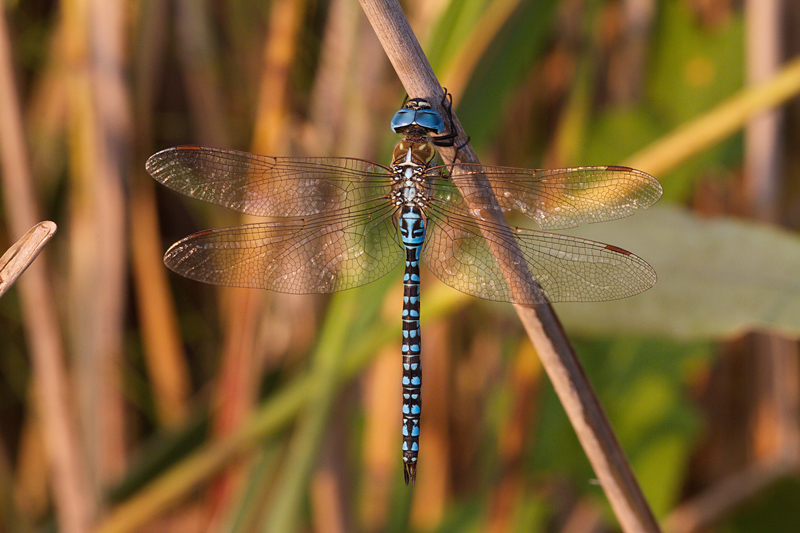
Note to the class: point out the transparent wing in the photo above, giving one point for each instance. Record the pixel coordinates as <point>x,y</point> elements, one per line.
<point>558,198</point>
<point>569,269</point>
<point>269,186</point>
<point>318,254</point>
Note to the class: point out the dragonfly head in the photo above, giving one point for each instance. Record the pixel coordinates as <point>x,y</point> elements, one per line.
<point>417,112</point>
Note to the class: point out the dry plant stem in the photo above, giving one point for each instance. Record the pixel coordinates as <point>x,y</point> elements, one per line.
<point>762,135</point>
<point>542,325</point>
<point>75,508</point>
<point>166,363</point>
<point>22,253</point>
<point>107,126</point>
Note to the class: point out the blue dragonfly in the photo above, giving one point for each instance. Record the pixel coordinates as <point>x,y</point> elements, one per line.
<point>335,223</point>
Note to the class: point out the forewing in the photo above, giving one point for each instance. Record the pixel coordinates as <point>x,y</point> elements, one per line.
<point>269,186</point>
<point>301,256</point>
<point>557,198</point>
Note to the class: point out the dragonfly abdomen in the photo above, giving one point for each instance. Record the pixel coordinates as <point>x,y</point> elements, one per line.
<point>412,233</point>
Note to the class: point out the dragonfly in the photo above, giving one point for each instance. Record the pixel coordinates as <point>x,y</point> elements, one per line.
<point>335,223</point>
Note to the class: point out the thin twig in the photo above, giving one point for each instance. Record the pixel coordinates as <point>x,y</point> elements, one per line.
<point>542,325</point>
<point>22,253</point>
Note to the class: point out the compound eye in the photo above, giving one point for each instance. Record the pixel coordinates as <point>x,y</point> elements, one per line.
<point>402,119</point>
<point>430,120</point>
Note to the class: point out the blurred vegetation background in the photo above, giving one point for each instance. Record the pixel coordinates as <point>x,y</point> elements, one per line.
<point>135,400</point>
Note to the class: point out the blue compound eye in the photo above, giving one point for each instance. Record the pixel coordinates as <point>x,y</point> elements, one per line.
<point>402,119</point>
<point>424,118</point>
<point>430,120</point>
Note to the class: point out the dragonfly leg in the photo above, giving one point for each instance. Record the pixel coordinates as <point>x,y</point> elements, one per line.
<point>449,139</point>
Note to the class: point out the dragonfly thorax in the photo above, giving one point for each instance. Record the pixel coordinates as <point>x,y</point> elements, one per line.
<point>408,177</point>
